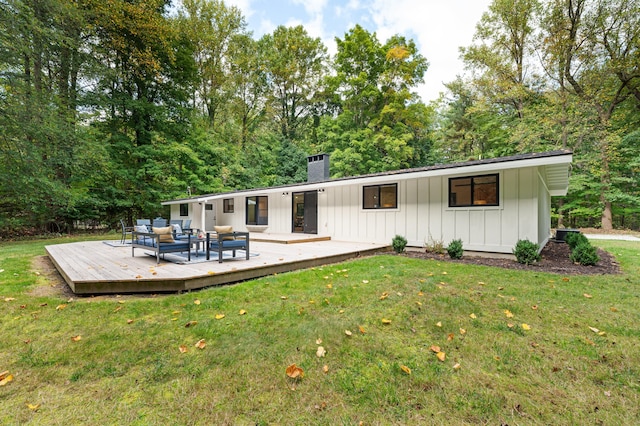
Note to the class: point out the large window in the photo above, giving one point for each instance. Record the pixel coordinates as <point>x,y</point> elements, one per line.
<point>184,209</point>
<point>473,191</point>
<point>380,196</point>
<point>257,210</point>
<point>227,205</point>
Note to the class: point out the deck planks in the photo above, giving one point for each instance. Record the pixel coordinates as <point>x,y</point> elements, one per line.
<point>93,267</point>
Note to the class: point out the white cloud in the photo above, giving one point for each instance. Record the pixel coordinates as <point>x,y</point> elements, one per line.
<point>312,7</point>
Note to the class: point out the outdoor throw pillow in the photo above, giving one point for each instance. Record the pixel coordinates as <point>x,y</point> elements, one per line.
<point>140,228</point>
<point>224,230</point>
<point>177,228</point>
<point>165,234</point>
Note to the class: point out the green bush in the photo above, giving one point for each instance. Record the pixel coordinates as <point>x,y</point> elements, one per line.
<point>526,252</point>
<point>584,254</point>
<point>399,243</point>
<point>455,249</point>
<point>574,239</point>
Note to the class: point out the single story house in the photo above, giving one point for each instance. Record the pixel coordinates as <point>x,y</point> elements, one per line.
<point>489,204</point>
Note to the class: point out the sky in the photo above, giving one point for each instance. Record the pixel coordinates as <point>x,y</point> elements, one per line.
<point>438,27</point>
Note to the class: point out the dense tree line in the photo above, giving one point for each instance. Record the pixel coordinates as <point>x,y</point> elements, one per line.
<point>109,107</point>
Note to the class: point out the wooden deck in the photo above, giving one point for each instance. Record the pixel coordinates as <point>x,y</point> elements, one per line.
<point>94,267</point>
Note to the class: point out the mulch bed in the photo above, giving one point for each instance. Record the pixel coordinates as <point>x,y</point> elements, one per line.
<point>555,259</point>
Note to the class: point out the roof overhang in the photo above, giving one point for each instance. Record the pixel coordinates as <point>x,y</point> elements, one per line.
<point>555,168</point>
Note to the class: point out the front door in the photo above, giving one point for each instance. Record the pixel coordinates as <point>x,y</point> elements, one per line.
<point>305,212</point>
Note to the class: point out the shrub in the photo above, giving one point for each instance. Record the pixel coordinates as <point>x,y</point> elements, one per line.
<point>455,249</point>
<point>435,246</point>
<point>574,239</point>
<point>584,254</point>
<point>526,252</point>
<point>398,243</point>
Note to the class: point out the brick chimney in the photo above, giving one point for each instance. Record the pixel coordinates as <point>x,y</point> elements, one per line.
<point>318,168</point>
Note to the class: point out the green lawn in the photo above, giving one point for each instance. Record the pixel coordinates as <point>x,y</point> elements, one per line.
<point>567,355</point>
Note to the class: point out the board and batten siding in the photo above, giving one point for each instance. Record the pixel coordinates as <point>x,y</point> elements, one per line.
<point>423,215</point>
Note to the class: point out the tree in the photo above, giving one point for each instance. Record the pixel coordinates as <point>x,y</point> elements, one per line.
<point>295,65</point>
<point>381,125</point>
<point>598,46</point>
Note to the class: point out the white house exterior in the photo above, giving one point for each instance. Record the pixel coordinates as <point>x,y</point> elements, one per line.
<point>488,204</point>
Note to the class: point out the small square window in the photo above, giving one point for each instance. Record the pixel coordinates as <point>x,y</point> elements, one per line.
<point>227,205</point>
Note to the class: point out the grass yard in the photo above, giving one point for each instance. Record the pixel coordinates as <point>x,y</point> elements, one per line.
<point>519,347</point>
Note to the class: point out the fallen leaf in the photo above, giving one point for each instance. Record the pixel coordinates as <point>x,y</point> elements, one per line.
<point>526,326</point>
<point>33,407</point>
<point>386,321</point>
<point>463,331</point>
<point>361,328</point>
<point>441,356</point>
<point>508,313</point>
<point>76,338</point>
<point>200,344</point>
<point>444,273</point>
<point>473,316</point>
<point>196,302</point>
<point>183,349</point>
<point>420,294</point>
<point>294,372</point>
<point>329,285</point>
<point>138,276</point>
<point>219,316</point>
<point>405,369</point>
<point>534,307</point>
<point>565,279</point>
<point>510,325</point>
<point>283,297</point>
<point>117,309</point>
<point>456,366</point>
<point>602,333</point>
<point>6,378</point>
<point>325,369</point>
<point>129,321</point>
<point>439,324</point>
<point>190,324</point>
<point>418,303</point>
<point>588,296</point>
<point>613,309</point>
<point>450,336</point>
<point>175,312</point>
<point>242,312</point>
<point>321,352</point>
<point>348,332</point>
<point>435,348</point>
<point>9,299</point>
<point>341,311</point>
<point>595,330</point>
<point>607,393</point>
<point>318,341</point>
<point>384,295</point>
<point>61,307</point>
<point>365,281</point>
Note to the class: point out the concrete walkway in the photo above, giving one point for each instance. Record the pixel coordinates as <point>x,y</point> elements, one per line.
<point>611,237</point>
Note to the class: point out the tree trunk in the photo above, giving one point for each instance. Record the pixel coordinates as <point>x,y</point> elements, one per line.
<point>606,222</point>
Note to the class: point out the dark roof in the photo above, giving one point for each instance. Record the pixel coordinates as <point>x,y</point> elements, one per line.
<point>518,157</point>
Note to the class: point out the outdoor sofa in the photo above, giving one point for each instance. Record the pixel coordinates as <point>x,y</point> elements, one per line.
<point>160,242</point>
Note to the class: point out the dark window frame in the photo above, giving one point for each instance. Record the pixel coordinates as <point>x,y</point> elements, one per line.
<point>379,189</point>
<point>260,220</point>
<point>228,205</point>
<point>473,201</point>
<point>184,209</point>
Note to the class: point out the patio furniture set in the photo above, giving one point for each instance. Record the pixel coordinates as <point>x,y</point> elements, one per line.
<point>161,237</point>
